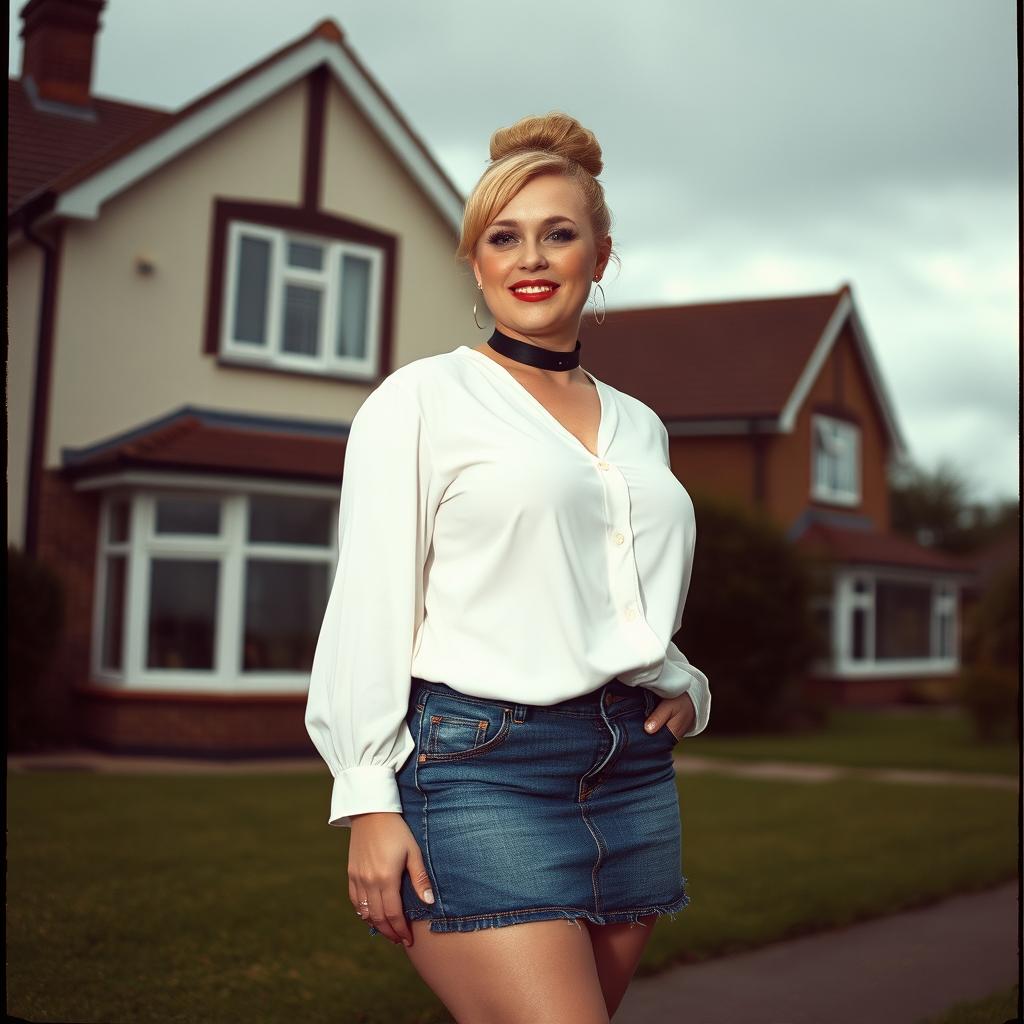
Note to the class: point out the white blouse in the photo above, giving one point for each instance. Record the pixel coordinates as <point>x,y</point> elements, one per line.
<point>482,545</point>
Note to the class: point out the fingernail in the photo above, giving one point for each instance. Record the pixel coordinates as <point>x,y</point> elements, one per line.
<point>650,726</point>
<point>428,895</point>
<point>406,942</point>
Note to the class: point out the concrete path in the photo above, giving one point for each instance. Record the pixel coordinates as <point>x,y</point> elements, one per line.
<point>799,771</point>
<point>894,970</point>
<point>83,759</point>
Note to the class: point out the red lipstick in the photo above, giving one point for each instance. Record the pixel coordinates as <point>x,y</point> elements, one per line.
<point>540,289</point>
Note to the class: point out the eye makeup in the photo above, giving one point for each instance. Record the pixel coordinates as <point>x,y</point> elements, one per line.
<point>497,237</point>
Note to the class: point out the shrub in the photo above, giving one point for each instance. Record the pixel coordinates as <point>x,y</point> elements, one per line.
<point>35,620</point>
<point>989,694</point>
<point>992,633</point>
<point>988,682</point>
<point>747,623</point>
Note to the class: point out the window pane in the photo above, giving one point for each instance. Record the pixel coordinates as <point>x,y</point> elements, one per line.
<point>945,640</point>
<point>301,320</point>
<point>188,515</point>
<point>305,254</point>
<point>845,477</point>
<point>355,306</point>
<point>858,646</point>
<point>117,532</point>
<point>279,520</point>
<point>182,613</point>
<point>284,606</point>
<point>822,459</point>
<point>251,291</point>
<point>902,620</point>
<point>113,613</point>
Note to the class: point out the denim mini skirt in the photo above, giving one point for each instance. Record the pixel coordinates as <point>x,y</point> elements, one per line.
<point>528,812</point>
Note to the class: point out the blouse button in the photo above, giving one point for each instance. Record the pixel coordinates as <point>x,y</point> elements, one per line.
<point>630,614</point>
<point>619,538</point>
<point>602,465</point>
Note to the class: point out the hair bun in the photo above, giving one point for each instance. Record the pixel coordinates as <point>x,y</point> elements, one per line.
<point>554,132</point>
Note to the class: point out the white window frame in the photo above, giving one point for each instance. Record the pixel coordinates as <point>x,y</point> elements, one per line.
<point>231,549</point>
<point>945,599</point>
<point>844,439</point>
<point>326,360</point>
<point>106,548</point>
<point>826,603</point>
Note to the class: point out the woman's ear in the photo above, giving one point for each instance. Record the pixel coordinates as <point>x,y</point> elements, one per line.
<point>476,273</point>
<point>604,252</point>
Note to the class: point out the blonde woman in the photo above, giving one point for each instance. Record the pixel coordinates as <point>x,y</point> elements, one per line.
<point>495,688</point>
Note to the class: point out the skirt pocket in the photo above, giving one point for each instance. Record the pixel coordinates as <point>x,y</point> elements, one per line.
<point>457,729</point>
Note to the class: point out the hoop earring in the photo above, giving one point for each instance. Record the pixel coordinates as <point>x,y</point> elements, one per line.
<point>603,306</point>
<point>477,322</point>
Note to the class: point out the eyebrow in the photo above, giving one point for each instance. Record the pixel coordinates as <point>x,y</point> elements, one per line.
<point>515,223</point>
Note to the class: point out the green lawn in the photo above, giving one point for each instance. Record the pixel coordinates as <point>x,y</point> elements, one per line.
<point>997,1009</point>
<point>224,898</point>
<point>915,739</point>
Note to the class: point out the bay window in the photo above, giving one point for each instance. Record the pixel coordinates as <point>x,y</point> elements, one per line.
<point>220,591</point>
<point>889,621</point>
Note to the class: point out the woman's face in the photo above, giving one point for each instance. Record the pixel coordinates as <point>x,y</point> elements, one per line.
<point>542,235</point>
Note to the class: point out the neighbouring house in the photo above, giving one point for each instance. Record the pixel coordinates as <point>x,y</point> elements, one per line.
<point>779,403</point>
<point>199,301</point>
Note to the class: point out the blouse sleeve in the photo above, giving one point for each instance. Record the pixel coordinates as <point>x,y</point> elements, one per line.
<point>361,676</point>
<point>678,676</point>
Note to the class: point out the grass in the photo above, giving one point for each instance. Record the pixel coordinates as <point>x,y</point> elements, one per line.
<point>135,898</point>
<point>917,739</point>
<point>996,1009</point>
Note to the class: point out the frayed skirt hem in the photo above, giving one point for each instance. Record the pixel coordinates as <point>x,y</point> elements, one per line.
<point>477,922</point>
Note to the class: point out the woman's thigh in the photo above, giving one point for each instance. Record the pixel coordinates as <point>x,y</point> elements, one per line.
<point>617,952</point>
<point>536,972</point>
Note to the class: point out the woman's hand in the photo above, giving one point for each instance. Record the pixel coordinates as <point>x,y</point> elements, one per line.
<point>381,848</point>
<point>678,713</point>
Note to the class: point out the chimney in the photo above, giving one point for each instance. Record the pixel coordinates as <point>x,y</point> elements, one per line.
<point>57,54</point>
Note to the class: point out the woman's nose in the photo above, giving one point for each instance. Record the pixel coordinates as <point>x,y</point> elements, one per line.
<point>532,257</point>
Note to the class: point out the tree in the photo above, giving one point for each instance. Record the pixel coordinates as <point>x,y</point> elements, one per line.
<point>927,505</point>
<point>933,507</point>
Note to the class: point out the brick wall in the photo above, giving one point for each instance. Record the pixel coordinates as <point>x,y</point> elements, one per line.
<point>186,724</point>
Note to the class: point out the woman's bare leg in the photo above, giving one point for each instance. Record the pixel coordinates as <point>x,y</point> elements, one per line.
<point>617,952</point>
<point>537,972</point>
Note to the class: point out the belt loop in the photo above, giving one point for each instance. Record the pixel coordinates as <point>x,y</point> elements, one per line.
<point>650,698</point>
<point>519,714</point>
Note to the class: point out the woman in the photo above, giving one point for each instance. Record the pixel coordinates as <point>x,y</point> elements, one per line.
<point>515,554</point>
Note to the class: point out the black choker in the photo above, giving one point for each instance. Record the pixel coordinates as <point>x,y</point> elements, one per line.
<point>534,355</point>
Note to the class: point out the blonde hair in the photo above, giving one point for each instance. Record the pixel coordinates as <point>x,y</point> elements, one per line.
<point>554,143</point>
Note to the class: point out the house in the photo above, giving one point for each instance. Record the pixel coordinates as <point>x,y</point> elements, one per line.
<point>780,404</point>
<point>199,301</point>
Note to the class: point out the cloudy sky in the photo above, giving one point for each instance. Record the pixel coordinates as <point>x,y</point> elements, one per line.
<point>752,148</point>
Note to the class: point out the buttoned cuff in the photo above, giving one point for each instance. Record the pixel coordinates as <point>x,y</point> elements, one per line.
<point>700,696</point>
<point>363,790</point>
